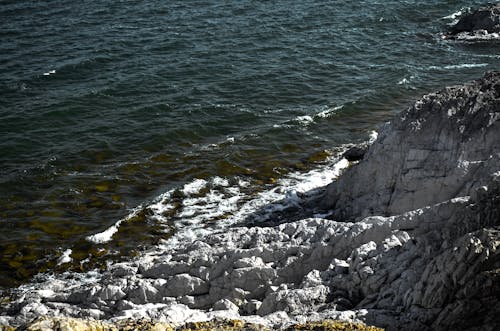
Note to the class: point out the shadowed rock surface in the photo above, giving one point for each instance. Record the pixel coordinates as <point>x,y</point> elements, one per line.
<point>355,153</point>
<point>413,244</point>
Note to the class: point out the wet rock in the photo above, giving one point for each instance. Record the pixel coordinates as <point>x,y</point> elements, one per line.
<point>355,153</point>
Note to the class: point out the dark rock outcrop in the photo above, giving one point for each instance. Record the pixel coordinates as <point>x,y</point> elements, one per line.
<point>482,24</point>
<point>355,153</point>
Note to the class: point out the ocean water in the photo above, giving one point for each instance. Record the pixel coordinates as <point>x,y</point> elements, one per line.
<point>124,123</point>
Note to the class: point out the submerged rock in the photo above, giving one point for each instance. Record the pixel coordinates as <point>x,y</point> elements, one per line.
<point>414,243</point>
<point>482,24</point>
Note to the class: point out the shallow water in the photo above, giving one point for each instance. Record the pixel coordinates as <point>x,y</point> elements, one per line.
<point>196,107</point>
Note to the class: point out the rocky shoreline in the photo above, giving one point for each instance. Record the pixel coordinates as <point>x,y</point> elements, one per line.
<point>413,242</point>
<point>407,238</point>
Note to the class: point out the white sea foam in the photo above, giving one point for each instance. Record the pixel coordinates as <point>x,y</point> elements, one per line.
<point>243,183</point>
<point>106,235</point>
<point>65,257</point>
<point>227,203</point>
<point>194,187</point>
<point>466,65</point>
<point>223,202</point>
<point>160,206</point>
<point>454,17</point>
<point>406,81</point>
<point>403,81</point>
<point>315,178</point>
<point>459,66</point>
<point>329,112</point>
<point>478,35</point>
<point>305,119</point>
<point>282,125</point>
<point>219,181</point>
<point>51,72</point>
<point>455,14</point>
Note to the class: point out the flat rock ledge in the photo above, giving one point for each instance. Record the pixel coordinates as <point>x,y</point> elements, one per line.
<point>482,24</point>
<point>414,243</point>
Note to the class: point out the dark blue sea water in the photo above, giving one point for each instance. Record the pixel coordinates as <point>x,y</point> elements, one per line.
<point>105,105</point>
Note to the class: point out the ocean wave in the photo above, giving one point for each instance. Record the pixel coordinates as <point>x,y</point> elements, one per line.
<point>459,66</point>
<point>328,112</point>
<point>107,235</point>
<point>306,120</point>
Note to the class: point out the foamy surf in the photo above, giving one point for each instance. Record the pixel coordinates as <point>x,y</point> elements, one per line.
<point>459,66</point>
<point>65,257</point>
<point>238,202</point>
<point>107,235</point>
<point>328,112</point>
<point>454,17</point>
<point>48,73</point>
<point>306,120</point>
<point>221,202</point>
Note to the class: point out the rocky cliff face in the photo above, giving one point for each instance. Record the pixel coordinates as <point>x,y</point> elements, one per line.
<point>436,167</point>
<point>445,146</point>
<point>414,243</point>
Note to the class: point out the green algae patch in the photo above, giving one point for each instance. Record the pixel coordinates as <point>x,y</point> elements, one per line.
<point>103,187</point>
<point>222,325</point>
<point>332,325</point>
<point>51,213</point>
<point>291,148</point>
<point>319,156</point>
<point>163,158</point>
<point>225,168</point>
<point>77,324</point>
<point>62,229</point>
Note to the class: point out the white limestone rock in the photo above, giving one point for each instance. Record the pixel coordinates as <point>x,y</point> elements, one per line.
<point>426,155</point>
